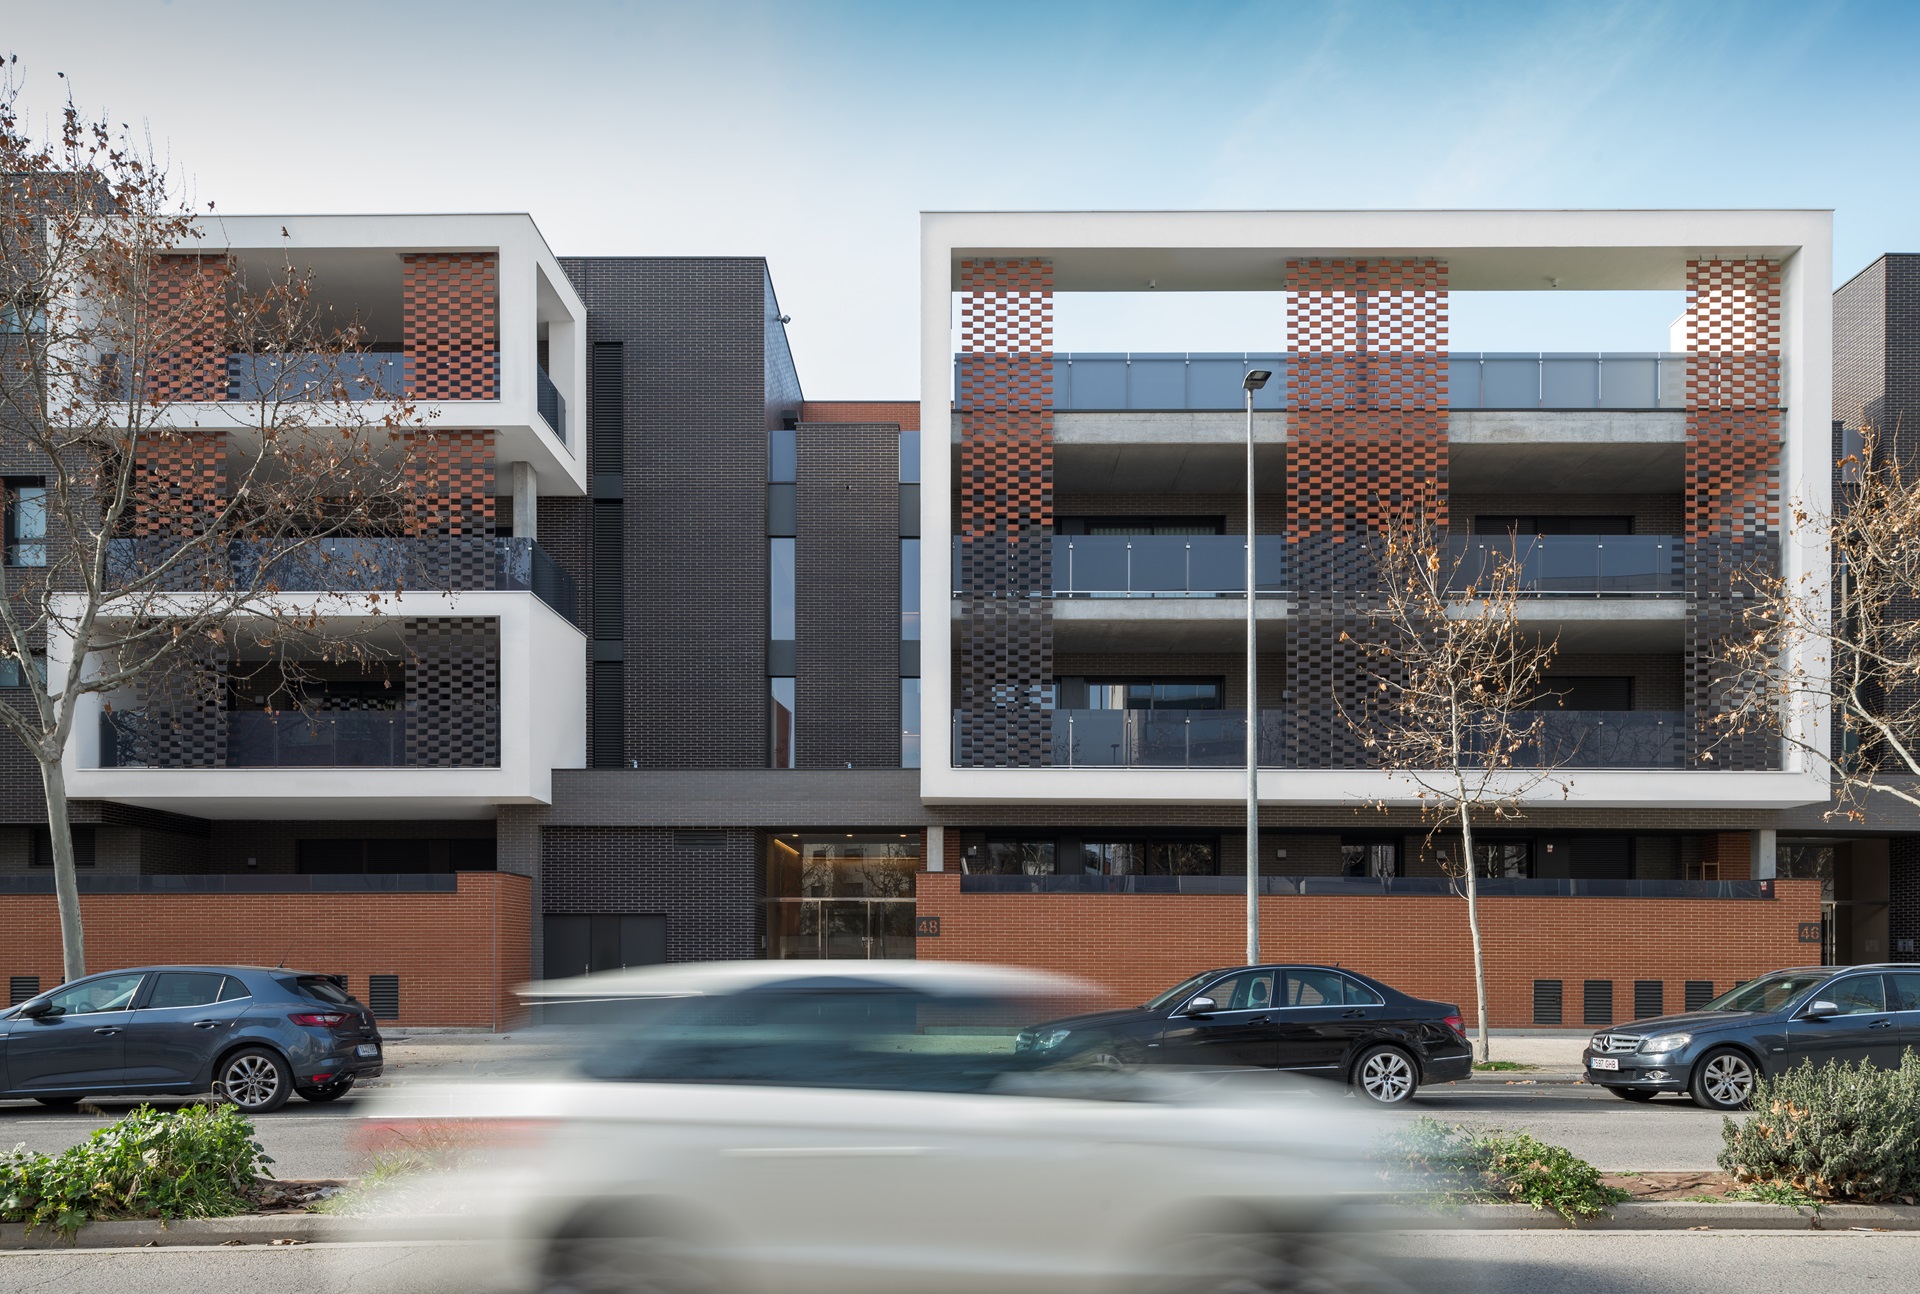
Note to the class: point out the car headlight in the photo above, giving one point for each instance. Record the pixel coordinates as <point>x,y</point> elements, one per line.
<point>1666,1042</point>
<point>1050,1039</point>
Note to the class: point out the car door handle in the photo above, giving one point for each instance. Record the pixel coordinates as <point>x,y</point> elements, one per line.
<point>1261,1019</point>
<point>206,1024</point>
<point>1353,1015</point>
<point>110,1028</point>
<point>1881,1024</point>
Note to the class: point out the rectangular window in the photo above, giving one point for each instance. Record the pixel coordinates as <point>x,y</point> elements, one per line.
<point>910,590</point>
<point>909,458</point>
<point>1082,693</point>
<point>26,521</point>
<point>1007,857</point>
<point>780,577</point>
<point>781,690</point>
<point>909,723</point>
<point>1149,858</point>
<point>783,455</point>
<point>1503,857</point>
<point>1364,858</point>
<point>10,675</point>
<point>83,847</point>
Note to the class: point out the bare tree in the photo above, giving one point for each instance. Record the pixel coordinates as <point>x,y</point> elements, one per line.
<point>1840,646</point>
<point>1452,675</point>
<point>162,514</point>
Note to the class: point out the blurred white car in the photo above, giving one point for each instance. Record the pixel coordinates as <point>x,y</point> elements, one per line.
<point>867,1126</point>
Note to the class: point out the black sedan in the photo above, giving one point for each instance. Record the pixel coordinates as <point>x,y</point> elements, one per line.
<point>1318,1020</point>
<point>254,1035</point>
<point>1716,1054</point>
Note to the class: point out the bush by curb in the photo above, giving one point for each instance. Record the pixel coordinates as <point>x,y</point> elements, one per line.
<point>1458,1165</point>
<point>1840,1132</point>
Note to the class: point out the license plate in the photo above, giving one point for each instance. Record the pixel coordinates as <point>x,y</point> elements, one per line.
<point>373,1049</point>
<point>1604,1062</point>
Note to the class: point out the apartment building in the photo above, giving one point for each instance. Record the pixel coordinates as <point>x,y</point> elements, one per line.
<point>727,671</point>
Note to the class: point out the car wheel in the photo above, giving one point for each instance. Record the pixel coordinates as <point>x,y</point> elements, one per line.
<point>59,1102</point>
<point>1386,1075</point>
<point>623,1264</point>
<point>331,1092</point>
<point>254,1079</point>
<point>1631,1093</point>
<point>1723,1080</point>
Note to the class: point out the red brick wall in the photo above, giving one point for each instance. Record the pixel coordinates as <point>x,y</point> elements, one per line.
<point>186,328</point>
<point>452,326</point>
<point>459,956</point>
<point>1134,945</point>
<point>906,416</point>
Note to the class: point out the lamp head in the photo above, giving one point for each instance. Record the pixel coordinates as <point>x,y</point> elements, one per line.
<point>1256,379</point>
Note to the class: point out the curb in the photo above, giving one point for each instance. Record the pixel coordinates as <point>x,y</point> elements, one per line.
<point>1659,1215</point>
<point>249,1229</point>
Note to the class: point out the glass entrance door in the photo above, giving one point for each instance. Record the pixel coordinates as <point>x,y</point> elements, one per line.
<point>841,896</point>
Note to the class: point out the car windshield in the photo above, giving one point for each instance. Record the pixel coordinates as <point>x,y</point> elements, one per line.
<point>1769,992</point>
<point>872,1037</point>
<point>1179,992</point>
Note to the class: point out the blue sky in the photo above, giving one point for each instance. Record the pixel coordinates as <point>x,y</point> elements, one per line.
<point>812,133</point>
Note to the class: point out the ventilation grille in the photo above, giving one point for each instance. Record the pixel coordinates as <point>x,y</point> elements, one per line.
<point>1699,993</point>
<point>383,995</point>
<point>1649,998</point>
<point>1546,1001</point>
<point>1597,1001</point>
<point>21,987</point>
<point>609,600</point>
<point>606,726</point>
<point>609,407</point>
<point>700,840</point>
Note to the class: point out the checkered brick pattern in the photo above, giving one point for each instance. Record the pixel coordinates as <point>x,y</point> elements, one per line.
<point>452,330</point>
<point>1733,478</point>
<point>450,476</point>
<point>181,715</point>
<point>1367,390</point>
<point>1005,520</point>
<point>453,691</point>
<point>180,482</point>
<point>187,309</point>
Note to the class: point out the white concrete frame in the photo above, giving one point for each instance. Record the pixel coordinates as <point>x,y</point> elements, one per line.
<point>543,726</point>
<point>1485,250</point>
<point>533,288</point>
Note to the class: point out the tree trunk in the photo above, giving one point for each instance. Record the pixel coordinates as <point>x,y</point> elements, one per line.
<point>1473,925</point>
<point>66,886</point>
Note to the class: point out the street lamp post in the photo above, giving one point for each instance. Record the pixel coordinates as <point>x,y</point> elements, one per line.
<point>1254,381</point>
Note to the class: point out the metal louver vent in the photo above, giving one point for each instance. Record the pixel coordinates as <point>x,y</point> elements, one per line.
<point>1699,993</point>
<point>21,987</point>
<point>1649,998</point>
<point>1597,1001</point>
<point>700,839</point>
<point>383,996</point>
<point>1546,1001</point>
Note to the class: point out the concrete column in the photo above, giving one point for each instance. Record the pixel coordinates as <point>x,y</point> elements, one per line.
<point>526,502</point>
<point>1764,862</point>
<point>936,859</point>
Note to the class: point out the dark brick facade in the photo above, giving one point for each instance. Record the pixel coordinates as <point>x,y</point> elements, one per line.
<point>847,607</point>
<point>709,895</point>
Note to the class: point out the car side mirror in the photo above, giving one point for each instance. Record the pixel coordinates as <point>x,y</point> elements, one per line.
<point>1821,1010</point>
<point>1201,1006</point>
<point>34,1010</point>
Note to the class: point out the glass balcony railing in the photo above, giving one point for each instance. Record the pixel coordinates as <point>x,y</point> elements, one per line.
<point>1166,381</point>
<point>553,405</point>
<point>1576,565</point>
<point>274,739</point>
<point>1148,738</point>
<point>378,375</point>
<point>1590,739</point>
<point>1214,566</point>
<point>356,564</point>
<point>1490,887</point>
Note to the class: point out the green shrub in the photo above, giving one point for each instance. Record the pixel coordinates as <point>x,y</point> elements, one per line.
<point>199,1161</point>
<point>1462,1165</point>
<point>1839,1132</point>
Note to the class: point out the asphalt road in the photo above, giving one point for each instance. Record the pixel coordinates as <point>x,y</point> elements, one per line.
<point>1511,1262</point>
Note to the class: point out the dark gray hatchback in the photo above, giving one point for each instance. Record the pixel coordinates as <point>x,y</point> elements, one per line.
<point>1813,1013</point>
<point>255,1035</point>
